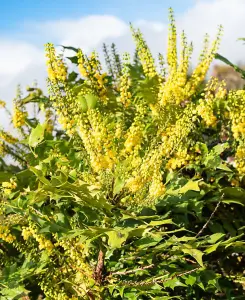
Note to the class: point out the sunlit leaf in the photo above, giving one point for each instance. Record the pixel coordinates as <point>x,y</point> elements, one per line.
<point>37,135</point>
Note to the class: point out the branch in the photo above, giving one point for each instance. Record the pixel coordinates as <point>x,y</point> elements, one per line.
<point>98,273</point>
<point>132,271</point>
<point>206,224</point>
<point>141,283</point>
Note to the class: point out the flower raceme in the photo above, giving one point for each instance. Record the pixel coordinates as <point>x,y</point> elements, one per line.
<point>125,133</point>
<point>2,104</point>
<point>146,125</point>
<point>169,110</point>
<point>123,127</point>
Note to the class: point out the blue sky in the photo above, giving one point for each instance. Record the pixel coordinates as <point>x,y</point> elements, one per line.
<point>14,13</point>
<point>26,25</point>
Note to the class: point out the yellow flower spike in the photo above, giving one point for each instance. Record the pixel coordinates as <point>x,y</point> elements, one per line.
<point>125,95</point>
<point>7,137</point>
<point>134,135</point>
<point>205,48</point>
<point>134,184</point>
<point>172,43</point>
<point>6,235</point>
<point>205,108</point>
<point>3,149</point>
<point>156,188</point>
<point>236,114</point>
<point>144,54</point>
<point>19,117</point>
<point>239,158</point>
<point>182,70</point>
<point>83,66</point>
<point>200,71</point>
<point>57,69</point>
<point>2,104</point>
<point>90,68</point>
<point>8,187</point>
<point>26,233</point>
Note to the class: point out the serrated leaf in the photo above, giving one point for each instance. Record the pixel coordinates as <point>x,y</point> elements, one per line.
<point>224,167</point>
<point>39,175</point>
<point>189,186</point>
<point>173,283</point>
<point>121,290</point>
<point>117,238</point>
<point>12,293</point>
<point>220,148</point>
<point>191,280</point>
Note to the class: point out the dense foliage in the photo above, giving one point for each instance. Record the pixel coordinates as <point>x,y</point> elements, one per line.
<point>136,196</point>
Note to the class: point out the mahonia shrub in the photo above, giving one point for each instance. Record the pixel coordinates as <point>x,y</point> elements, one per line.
<point>132,187</point>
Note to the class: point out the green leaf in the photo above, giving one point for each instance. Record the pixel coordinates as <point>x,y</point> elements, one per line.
<point>235,201</point>
<point>147,242</point>
<point>37,135</point>
<point>39,175</point>
<point>121,290</point>
<point>226,61</point>
<point>224,167</point>
<point>161,222</point>
<point>70,48</point>
<point>77,88</point>
<point>173,283</point>
<point>212,248</point>
<point>230,241</point>
<point>73,59</point>
<point>220,148</point>
<point>72,76</point>
<point>201,148</point>
<point>191,280</point>
<point>12,293</point>
<point>197,254</point>
<point>234,192</point>
<point>91,100</point>
<point>189,186</point>
<point>82,103</point>
<point>58,181</point>
<point>4,176</point>
<point>118,186</point>
<point>215,237</point>
<point>212,159</point>
<point>24,175</point>
<point>117,238</point>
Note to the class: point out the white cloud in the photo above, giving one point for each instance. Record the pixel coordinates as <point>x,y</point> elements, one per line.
<point>155,26</point>
<point>87,32</point>
<point>15,57</point>
<point>22,61</point>
<point>207,16</point>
